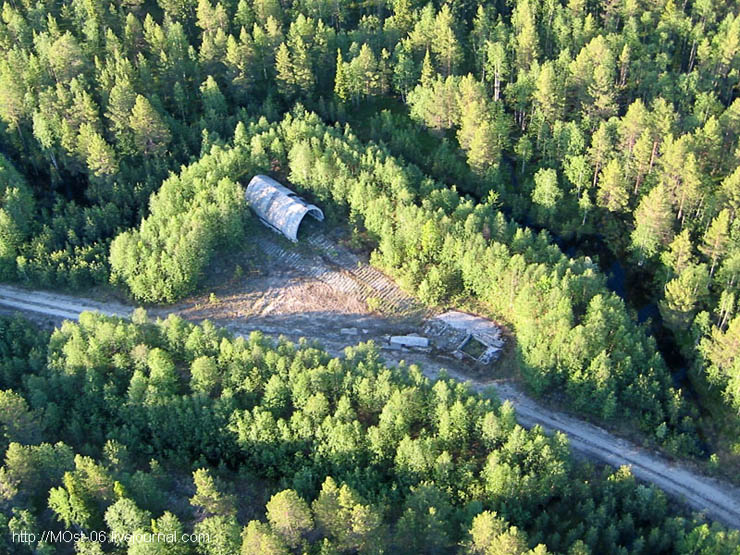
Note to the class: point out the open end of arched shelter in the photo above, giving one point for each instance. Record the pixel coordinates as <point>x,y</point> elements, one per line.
<point>279,207</point>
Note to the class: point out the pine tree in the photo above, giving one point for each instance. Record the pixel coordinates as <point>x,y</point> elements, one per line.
<point>12,105</point>
<point>721,350</point>
<point>527,47</point>
<point>343,516</point>
<point>632,125</point>
<point>709,146</point>
<point>601,148</point>
<point>178,10</point>
<point>547,95</point>
<point>653,223</point>
<point>211,18</point>
<point>472,108</point>
<point>364,72</point>
<point>546,192</point>
<point>679,255</point>
<point>403,15</point>
<point>484,25</point>
<point>680,174</point>
<point>66,58</point>
<point>124,518</point>
<point>214,103</point>
<point>97,153</point>
<point>121,101</point>
<point>204,375</point>
<point>302,71</point>
<point>601,92</point>
<point>422,36</point>
<point>267,9</point>
<point>612,192</point>
<point>209,497</point>
<point>404,74</point>
<point>642,154</point>
<point>662,122</point>
<point>204,15</point>
<point>482,153</point>
<point>289,516</point>
<point>244,15</point>
<point>446,46</point>
<point>151,135</point>
<point>715,242</point>
<point>730,191</point>
<point>240,61</point>
<point>44,132</point>
<point>496,66</point>
<point>683,294</point>
<point>491,534</point>
<point>284,67</point>
<point>259,538</point>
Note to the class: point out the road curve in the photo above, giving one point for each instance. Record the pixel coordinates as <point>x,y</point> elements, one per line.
<point>716,499</point>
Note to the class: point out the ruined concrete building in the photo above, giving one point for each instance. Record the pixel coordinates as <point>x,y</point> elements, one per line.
<point>278,207</point>
<point>467,336</point>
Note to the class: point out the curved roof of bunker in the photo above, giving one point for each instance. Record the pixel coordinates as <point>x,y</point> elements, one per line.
<point>278,206</point>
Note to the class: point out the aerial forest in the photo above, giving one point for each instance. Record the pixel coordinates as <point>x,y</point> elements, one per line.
<point>569,168</point>
<point>120,430</point>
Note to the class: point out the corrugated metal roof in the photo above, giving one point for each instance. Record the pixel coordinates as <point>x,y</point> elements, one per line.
<point>279,207</point>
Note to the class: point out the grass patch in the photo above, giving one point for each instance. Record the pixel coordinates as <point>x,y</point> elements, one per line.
<point>474,348</point>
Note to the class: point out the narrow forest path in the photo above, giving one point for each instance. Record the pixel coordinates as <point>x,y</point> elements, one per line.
<point>718,500</point>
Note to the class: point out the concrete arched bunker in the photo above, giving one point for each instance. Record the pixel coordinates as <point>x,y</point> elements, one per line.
<point>279,207</point>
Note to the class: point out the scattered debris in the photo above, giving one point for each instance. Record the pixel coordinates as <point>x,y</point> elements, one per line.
<point>348,331</point>
<point>467,335</point>
<point>413,341</point>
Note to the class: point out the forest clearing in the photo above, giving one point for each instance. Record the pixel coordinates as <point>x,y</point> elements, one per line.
<point>303,293</point>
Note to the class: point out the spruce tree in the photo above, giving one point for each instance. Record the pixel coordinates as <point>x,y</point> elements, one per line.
<point>427,71</point>
<point>341,84</point>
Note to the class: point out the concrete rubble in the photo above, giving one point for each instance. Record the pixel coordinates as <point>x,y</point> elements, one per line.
<point>414,341</point>
<point>466,336</point>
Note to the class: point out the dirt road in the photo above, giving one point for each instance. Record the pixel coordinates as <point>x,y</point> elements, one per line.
<point>716,499</point>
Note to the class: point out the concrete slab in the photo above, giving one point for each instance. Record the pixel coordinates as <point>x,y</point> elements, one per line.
<point>410,341</point>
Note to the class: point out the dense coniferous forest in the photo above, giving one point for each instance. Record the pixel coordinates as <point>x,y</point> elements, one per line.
<point>573,335</point>
<point>135,428</point>
<point>518,156</point>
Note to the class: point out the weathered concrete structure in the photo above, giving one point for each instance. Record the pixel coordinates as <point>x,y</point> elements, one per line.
<point>468,335</point>
<point>414,341</point>
<point>278,207</point>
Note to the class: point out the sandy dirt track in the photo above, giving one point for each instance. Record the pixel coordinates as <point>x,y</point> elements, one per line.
<point>716,499</point>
